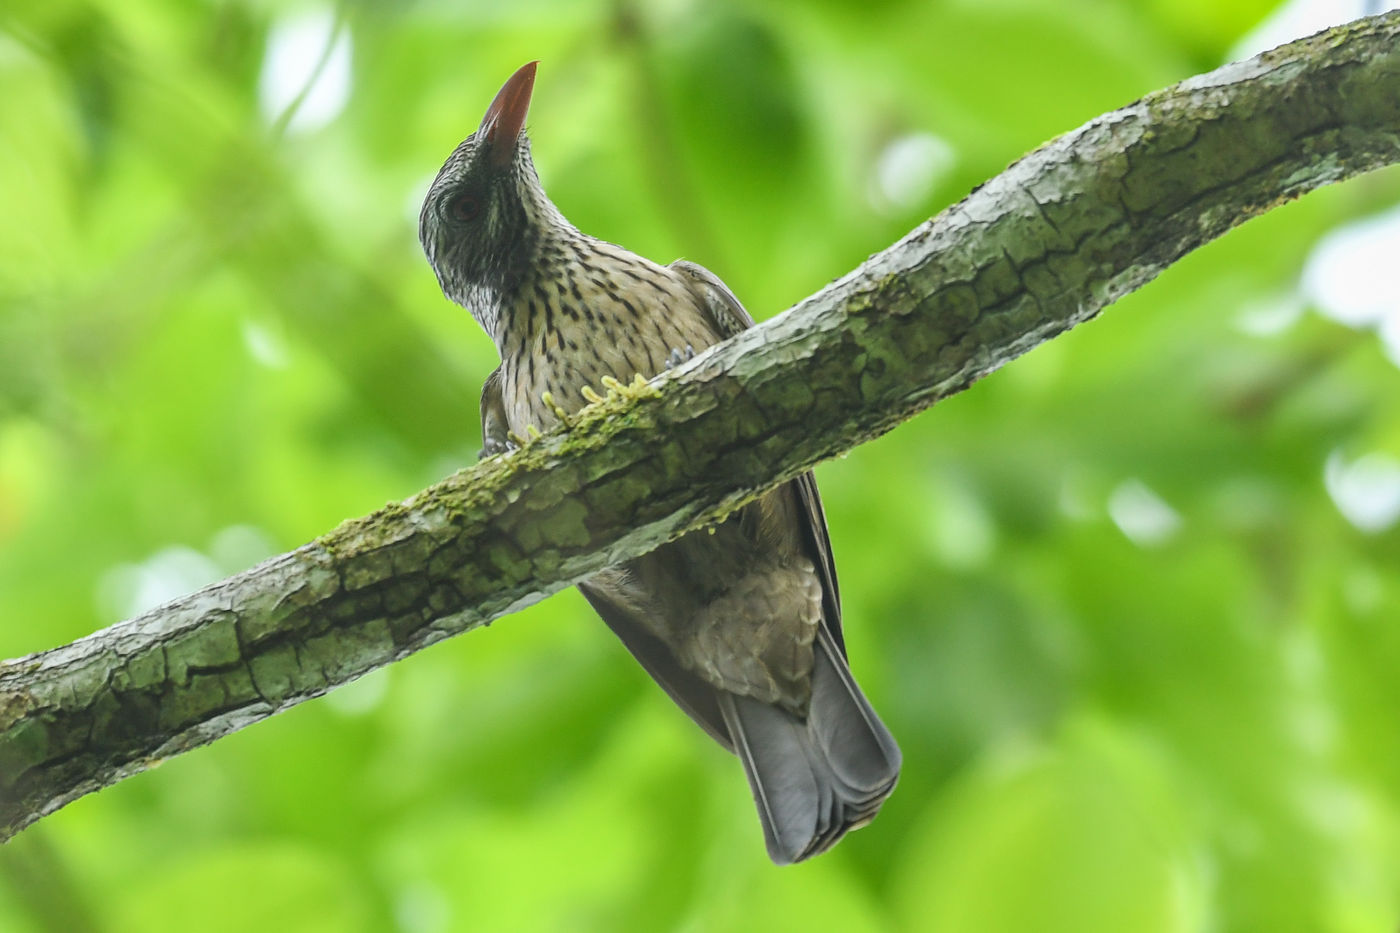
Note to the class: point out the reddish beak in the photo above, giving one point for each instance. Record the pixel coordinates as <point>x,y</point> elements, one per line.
<point>500,128</point>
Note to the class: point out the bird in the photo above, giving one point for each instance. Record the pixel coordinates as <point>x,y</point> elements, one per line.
<point>740,623</point>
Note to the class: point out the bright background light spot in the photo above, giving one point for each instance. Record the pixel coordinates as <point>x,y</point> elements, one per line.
<point>1270,317</point>
<point>962,533</point>
<point>238,547</point>
<point>1142,515</point>
<point>1351,277</point>
<point>1365,491</point>
<point>422,908</point>
<point>1390,336</point>
<point>263,345</point>
<point>295,49</point>
<point>129,589</point>
<point>1350,274</point>
<point>1303,18</point>
<point>362,696</point>
<point>908,169</point>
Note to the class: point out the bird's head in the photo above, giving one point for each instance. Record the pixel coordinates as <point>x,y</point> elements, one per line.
<point>484,213</point>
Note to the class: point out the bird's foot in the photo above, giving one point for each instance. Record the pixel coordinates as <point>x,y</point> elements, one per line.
<point>515,441</point>
<point>492,446</point>
<point>677,357</point>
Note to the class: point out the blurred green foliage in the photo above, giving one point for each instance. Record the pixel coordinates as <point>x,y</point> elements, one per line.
<point>1143,669</point>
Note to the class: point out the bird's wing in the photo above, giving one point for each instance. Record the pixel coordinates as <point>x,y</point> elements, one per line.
<point>729,318</point>
<point>693,695</point>
<point>820,545</point>
<point>725,312</point>
<point>495,436</point>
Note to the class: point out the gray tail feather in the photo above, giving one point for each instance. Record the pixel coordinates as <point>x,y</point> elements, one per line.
<point>815,779</point>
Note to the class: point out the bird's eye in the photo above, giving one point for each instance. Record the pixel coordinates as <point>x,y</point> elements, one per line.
<point>464,208</point>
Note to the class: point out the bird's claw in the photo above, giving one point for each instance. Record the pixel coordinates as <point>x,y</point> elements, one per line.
<point>514,442</point>
<point>493,446</point>
<point>677,357</point>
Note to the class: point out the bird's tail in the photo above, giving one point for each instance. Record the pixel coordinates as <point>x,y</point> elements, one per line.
<point>815,779</point>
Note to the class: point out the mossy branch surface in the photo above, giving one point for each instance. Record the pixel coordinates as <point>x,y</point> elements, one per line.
<point>1045,245</point>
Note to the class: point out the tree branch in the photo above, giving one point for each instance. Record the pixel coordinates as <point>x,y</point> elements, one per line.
<point>1047,244</point>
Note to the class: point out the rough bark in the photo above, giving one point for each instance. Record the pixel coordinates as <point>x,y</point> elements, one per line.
<point>1043,246</point>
